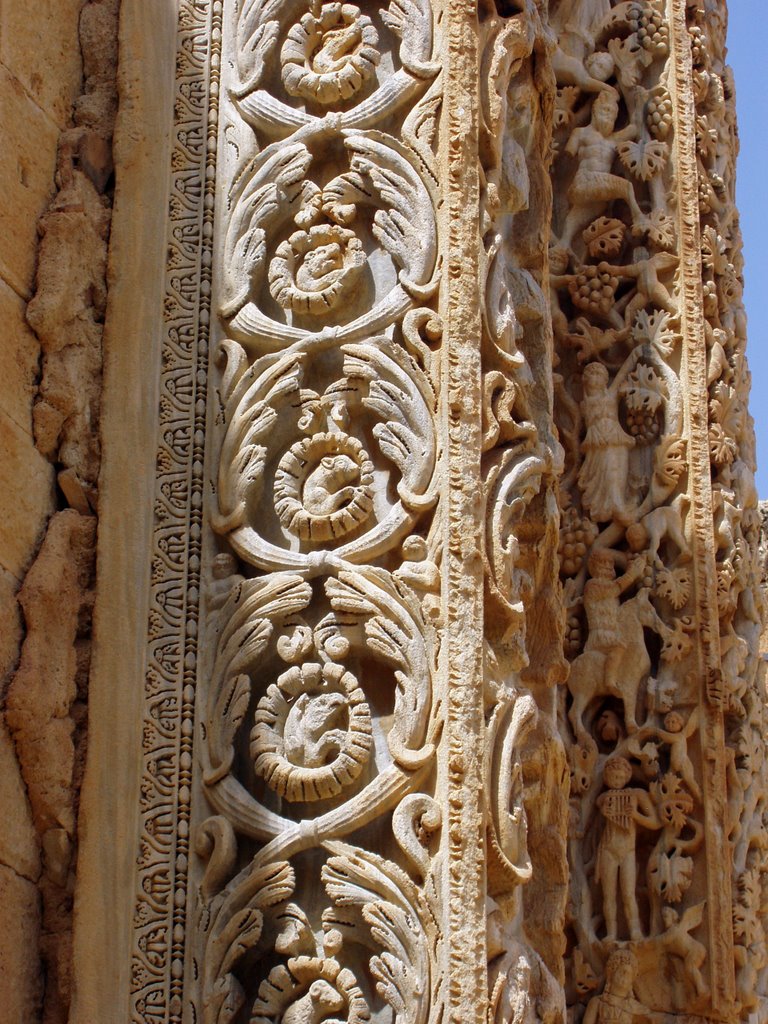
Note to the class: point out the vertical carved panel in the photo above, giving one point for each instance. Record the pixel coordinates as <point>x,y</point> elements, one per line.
<point>731,457</point>
<point>157,969</point>
<point>651,584</point>
<point>334,781</point>
<point>317,834</point>
<point>525,770</point>
<point>462,750</point>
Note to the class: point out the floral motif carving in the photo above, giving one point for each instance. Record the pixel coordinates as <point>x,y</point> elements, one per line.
<point>351,736</point>
<point>312,735</point>
<point>319,716</point>
<point>290,468</point>
<point>330,53</point>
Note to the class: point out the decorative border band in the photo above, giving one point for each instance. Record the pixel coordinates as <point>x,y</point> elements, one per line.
<point>157,970</point>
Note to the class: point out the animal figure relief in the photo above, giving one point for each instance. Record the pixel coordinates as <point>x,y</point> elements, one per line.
<point>309,734</point>
<point>678,942</point>
<point>661,523</point>
<point>319,1002</point>
<point>615,660</point>
<point>324,487</point>
<point>312,270</point>
<point>328,487</point>
<point>299,745</point>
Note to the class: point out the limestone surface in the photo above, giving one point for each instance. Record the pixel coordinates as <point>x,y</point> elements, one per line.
<point>384,597</point>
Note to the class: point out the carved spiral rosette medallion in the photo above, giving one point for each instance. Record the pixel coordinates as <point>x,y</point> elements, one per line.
<point>291,66</point>
<point>299,464</point>
<point>366,251</point>
<point>324,487</point>
<point>330,54</point>
<point>312,270</point>
<point>310,988</point>
<point>312,736</point>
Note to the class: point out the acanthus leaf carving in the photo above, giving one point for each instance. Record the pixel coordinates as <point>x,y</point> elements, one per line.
<point>375,903</point>
<point>278,431</point>
<point>329,56</point>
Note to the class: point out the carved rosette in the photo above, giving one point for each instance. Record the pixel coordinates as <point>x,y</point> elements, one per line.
<point>312,732</point>
<point>329,54</point>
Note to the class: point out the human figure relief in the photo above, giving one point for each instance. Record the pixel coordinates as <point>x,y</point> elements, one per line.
<point>617,1004</point>
<point>616,868</point>
<point>559,278</point>
<point>605,471</point>
<point>595,146</point>
<point>615,659</point>
<point>602,605</point>
<point>645,272</point>
<point>576,21</point>
<point>676,734</point>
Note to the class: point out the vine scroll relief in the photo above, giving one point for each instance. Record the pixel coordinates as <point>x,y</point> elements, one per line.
<point>436,437</point>
<point>658,566</point>
<point>331,845</point>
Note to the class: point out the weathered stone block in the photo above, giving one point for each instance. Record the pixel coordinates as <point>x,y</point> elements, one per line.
<point>45,687</point>
<point>66,312</point>
<point>18,844</point>
<point>39,46</point>
<point>19,359</point>
<point>20,978</point>
<point>10,625</point>
<point>23,509</point>
<point>27,166</point>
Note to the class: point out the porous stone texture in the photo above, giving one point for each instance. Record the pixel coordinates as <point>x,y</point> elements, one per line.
<point>476,428</point>
<point>426,683</point>
<point>57,102</point>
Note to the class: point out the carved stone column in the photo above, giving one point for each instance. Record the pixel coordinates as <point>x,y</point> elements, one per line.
<point>450,710</point>
<point>372,521</point>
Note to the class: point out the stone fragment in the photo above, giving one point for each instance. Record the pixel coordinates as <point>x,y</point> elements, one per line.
<point>19,360</point>
<point>67,314</point>
<point>21,978</point>
<point>19,845</point>
<point>55,599</point>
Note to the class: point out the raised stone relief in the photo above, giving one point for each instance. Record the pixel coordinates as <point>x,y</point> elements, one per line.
<point>465,706</point>
<point>645,713</point>
<point>298,466</point>
<point>319,711</point>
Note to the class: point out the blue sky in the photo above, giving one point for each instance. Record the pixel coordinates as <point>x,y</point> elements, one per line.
<point>747,56</point>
